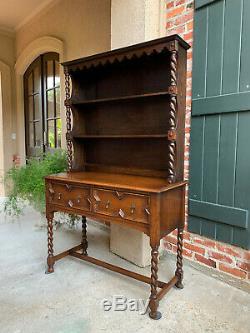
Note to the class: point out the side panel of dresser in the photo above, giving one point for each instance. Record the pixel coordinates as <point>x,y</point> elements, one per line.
<point>172,213</point>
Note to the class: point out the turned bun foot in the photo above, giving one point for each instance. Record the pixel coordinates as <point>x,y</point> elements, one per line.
<point>179,285</point>
<point>49,270</point>
<point>155,315</point>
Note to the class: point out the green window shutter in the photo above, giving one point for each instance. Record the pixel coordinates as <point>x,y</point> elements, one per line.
<point>219,202</point>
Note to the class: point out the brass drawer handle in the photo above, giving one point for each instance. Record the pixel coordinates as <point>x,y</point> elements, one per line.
<point>132,208</point>
<point>68,187</point>
<point>96,197</point>
<point>121,213</point>
<point>107,204</point>
<point>70,203</point>
<point>147,211</point>
<point>59,196</point>
<point>51,190</point>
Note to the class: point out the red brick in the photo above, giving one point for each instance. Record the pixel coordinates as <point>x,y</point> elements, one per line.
<point>174,233</point>
<point>187,253</point>
<point>203,260</point>
<point>174,248</point>
<point>228,250</point>
<point>204,241</point>
<point>220,257</point>
<point>177,30</point>
<point>171,239</point>
<point>168,246</point>
<point>176,11</point>
<point>170,4</point>
<point>246,255</point>
<point>194,248</point>
<point>188,36</point>
<point>180,2</point>
<point>233,271</point>
<point>243,265</point>
<point>190,26</point>
<point>169,25</point>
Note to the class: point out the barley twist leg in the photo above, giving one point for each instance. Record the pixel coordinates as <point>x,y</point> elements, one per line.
<point>153,302</point>
<point>179,264</point>
<point>84,236</point>
<point>50,258</point>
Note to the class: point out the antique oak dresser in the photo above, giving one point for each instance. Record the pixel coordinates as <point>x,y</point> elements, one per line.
<point>125,143</point>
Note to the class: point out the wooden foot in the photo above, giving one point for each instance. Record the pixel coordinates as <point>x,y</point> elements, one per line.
<point>50,259</point>
<point>155,315</point>
<point>179,264</point>
<point>84,236</point>
<point>154,302</point>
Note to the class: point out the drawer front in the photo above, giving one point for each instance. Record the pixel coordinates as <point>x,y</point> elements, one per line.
<point>124,205</point>
<point>69,195</point>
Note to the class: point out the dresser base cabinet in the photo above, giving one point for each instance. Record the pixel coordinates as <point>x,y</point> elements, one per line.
<point>125,117</point>
<point>150,205</point>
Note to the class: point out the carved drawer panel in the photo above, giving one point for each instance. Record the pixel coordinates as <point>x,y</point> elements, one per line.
<point>69,195</point>
<point>127,206</point>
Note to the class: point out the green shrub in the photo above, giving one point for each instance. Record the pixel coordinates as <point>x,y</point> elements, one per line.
<point>25,184</point>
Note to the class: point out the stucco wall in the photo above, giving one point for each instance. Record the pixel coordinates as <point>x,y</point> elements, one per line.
<point>82,25</point>
<point>7,98</point>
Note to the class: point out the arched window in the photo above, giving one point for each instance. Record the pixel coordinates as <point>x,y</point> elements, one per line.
<point>42,105</point>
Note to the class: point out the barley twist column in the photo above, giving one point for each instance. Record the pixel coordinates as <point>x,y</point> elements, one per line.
<point>84,236</point>
<point>172,118</point>
<point>179,264</point>
<point>50,258</point>
<point>153,302</point>
<point>68,119</point>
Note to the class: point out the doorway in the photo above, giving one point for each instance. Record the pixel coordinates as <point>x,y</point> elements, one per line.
<point>42,106</point>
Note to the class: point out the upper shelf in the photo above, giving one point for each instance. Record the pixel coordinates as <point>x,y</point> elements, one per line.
<point>148,48</point>
<point>118,99</point>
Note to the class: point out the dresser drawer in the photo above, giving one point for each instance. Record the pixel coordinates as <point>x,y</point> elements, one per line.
<point>124,205</point>
<point>71,196</point>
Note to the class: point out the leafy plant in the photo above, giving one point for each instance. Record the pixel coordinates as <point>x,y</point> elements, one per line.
<point>26,183</point>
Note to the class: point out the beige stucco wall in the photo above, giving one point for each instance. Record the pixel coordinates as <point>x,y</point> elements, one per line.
<point>81,26</point>
<point>7,102</point>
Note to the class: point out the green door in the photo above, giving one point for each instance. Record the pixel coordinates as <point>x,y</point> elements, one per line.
<point>220,132</point>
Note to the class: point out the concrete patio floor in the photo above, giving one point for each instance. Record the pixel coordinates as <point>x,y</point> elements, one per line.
<point>70,300</point>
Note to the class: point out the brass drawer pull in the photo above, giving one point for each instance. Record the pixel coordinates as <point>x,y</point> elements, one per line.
<point>121,213</point>
<point>51,190</point>
<point>70,203</point>
<point>96,197</point>
<point>132,208</point>
<point>107,204</point>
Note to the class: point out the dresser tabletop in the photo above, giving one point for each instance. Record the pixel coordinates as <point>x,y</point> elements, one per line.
<point>129,182</point>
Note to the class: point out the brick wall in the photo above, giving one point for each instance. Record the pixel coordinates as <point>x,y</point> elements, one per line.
<point>223,257</point>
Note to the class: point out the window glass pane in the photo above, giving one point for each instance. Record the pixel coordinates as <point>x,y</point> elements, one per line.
<point>51,133</point>
<point>31,134</point>
<point>50,74</point>
<point>30,84</point>
<point>58,132</point>
<point>30,108</point>
<point>37,107</point>
<point>57,90</point>
<point>57,73</point>
<point>50,104</point>
<point>37,79</point>
<point>38,134</point>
